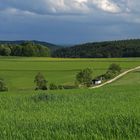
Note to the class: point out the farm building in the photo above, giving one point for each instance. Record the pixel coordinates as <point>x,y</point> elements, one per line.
<point>96,81</point>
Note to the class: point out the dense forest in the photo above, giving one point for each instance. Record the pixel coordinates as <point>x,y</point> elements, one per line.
<point>24,49</point>
<point>123,48</point>
<point>51,46</point>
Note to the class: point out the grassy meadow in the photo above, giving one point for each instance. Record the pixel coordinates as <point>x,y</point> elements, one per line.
<point>19,72</point>
<point>108,113</point>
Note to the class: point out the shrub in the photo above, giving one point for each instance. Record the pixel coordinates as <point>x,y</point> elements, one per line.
<point>40,97</point>
<point>41,83</point>
<point>60,87</point>
<point>53,86</point>
<point>109,75</point>
<point>112,71</point>
<point>69,86</point>
<point>115,68</point>
<point>3,86</point>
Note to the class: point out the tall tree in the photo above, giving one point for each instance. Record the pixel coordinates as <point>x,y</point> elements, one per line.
<point>84,77</point>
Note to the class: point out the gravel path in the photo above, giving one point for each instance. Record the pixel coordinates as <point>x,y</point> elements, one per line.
<point>116,78</point>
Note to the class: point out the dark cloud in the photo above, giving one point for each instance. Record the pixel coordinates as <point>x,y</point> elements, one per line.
<point>69,21</point>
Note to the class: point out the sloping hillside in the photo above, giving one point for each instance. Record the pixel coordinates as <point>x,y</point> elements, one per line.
<point>123,48</point>
<point>19,42</point>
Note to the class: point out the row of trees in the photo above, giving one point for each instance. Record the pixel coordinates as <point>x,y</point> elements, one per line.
<point>124,48</point>
<point>24,49</point>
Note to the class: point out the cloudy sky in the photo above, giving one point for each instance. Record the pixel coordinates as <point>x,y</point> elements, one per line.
<point>69,21</point>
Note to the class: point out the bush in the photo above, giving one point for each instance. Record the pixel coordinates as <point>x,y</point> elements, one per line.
<point>43,97</point>
<point>112,71</point>
<point>115,68</point>
<point>108,75</point>
<point>60,87</point>
<point>3,86</point>
<point>41,83</point>
<point>69,86</point>
<point>40,97</point>
<point>53,86</point>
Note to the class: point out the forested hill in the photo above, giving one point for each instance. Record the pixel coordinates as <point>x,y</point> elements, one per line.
<point>123,48</point>
<point>19,42</point>
<point>24,49</point>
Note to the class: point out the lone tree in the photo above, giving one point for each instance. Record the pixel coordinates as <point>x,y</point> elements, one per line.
<point>84,77</point>
<point>41,83</point>
<point>3,86</point>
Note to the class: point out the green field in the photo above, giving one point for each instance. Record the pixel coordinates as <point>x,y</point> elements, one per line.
<point>108,113</point>
<point>19,72</point>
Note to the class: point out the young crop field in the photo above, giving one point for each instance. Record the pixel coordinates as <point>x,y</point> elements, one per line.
<point>111,112</point>
<point>19,72</point>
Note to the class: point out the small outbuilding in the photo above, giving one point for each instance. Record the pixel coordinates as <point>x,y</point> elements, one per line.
<point>97,81</point>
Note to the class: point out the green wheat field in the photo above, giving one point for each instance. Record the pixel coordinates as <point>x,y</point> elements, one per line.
<point>108,113</point>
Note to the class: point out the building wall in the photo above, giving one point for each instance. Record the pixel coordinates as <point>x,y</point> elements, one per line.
<point>98,82</point>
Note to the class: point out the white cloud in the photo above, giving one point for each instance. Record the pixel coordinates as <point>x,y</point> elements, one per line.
<point>48,6</point>
<point>125,8</point>
<point>106,5</point>
<point>61,6</point>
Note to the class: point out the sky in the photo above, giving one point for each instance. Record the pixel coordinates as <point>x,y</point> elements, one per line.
<point>69,21</point>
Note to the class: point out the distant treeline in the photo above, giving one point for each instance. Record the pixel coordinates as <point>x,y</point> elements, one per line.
<point>109,49</point>
<point>123,48</point>
<point>24,49</point>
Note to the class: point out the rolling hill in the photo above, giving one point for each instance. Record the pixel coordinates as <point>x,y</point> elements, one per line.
<point>108,49</point>
<point>18,42</point>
